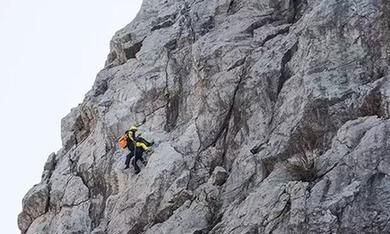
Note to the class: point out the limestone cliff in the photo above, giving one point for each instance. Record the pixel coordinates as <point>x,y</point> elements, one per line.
<point>268,116</point>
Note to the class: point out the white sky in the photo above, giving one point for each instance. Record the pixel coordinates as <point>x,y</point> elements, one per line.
<point>50,53</point>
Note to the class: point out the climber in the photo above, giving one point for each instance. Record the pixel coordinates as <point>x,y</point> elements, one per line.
<point>136,145</point>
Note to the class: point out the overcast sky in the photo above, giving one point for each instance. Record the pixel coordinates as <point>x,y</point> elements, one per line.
<point>50,53</point>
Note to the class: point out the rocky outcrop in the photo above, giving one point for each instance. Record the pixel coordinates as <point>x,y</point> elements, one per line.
<point>267,117</point>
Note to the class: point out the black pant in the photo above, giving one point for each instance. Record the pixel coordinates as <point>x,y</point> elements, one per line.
<point>138,156</point>
<point>128,158</point>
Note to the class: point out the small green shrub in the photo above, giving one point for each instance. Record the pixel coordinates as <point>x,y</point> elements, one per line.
<point>303,166</point>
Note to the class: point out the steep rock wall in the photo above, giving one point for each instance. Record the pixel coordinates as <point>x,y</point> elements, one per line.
<point>268,117</point>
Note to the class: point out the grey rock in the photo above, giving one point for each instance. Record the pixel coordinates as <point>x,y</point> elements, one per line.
<point>35,204</point>
<point>41,224</point>
<point>49,167</point>
<point>219,176</point>
<point>267,117</point>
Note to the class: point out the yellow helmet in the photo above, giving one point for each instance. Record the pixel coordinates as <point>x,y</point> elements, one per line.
<point>133,128</point>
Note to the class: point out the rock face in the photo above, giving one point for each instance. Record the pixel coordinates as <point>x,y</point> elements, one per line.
<point>268,116</point>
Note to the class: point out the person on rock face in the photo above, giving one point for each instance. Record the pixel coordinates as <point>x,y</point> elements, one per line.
<point>136,146</point>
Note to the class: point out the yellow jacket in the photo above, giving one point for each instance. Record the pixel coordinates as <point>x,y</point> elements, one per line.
<point>136,142</point>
